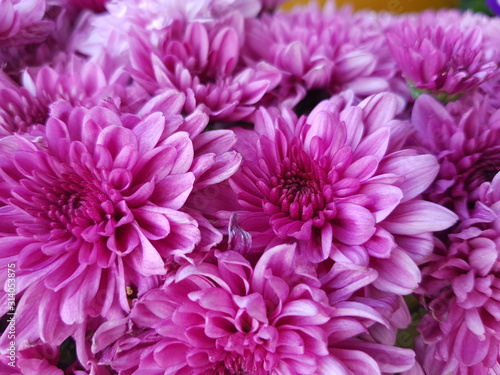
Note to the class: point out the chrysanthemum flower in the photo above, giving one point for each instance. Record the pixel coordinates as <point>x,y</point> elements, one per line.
<point>22,22</point>
<point>227,318</point>
<point>19,110</point>
<point>320,52</point>
<point>92,206</point>
<point>80,82</point>
<point>359,343</point>
<point>441,59</point>
<point>231,318</point>
<point>46,359</point>
<point>200,59</point>
<point>461,289</point>
<point>337,184</point>
<point>42,30</point>
<point>466,143</point>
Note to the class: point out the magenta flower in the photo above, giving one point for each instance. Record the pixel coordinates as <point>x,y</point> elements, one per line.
<point>22,22</point>
<point>46,359</point>
<point>363,333</point>
<point>94,5</point>
<point>82,83</point>
<point>438,58</point>
<point>19,110</point>
<point>466,143</point>
<point>334,184</point>
<point>92,209</point>
<point>231,318</point>
<point>200,59</point>
<point>33,32</point>
<point>461,288</point>
<point>226,318</point>
<point>320,52</point>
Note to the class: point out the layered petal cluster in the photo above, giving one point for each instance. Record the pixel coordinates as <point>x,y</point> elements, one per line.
<point>443,59</point>
<point>362,333</point>
<point>461,290</point>
<point>334,183</point>
<point>19,110</point>
<point>46,359</point>
<point>33,32</point>
<point>320,52</point>
<point>227,318</point>
<point>201,59</point>
<point>232,318</point>
<point>22,22</point>
<point>466,142</point>
<point>80,82</point>
<point>91,208</point>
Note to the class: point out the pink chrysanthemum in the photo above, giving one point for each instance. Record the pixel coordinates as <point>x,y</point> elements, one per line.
<point>46,359</point>
<point>362,343</point>
<point>461,290</point>
<point>22,22</point>
<point>230,318</point>
<point>321,52</point>
<point>200,59</point>
<point>80,82</point>
<point>38,41</point>
<point>466,143</point>
<point>337,184</point>
<point>227,318</point>
<point>19,110</point>
<point>439,58</point>
<point>91,210</point>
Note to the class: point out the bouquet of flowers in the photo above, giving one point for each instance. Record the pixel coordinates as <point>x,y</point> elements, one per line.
<point>219,187</point>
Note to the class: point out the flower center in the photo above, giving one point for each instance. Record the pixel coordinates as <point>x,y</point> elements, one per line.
<point>73,203</point>
<point>485,168</point>
<point>300,189</point>
<point>235,364</point>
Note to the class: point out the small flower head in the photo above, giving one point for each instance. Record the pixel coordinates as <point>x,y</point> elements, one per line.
<point>443,60</point>
<point>201,60</point>
<point>461,289</point>
<point>465,137</point>
<point>320,52</point>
